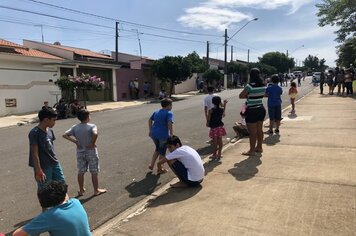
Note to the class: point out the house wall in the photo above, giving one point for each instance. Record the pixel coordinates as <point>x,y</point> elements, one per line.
<point>28,83</point>
<point>186,86</point>
<point>123,77</point>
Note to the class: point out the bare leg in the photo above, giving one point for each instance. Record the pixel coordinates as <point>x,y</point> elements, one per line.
<point>97,190</point>
<point>215,146</point>
<point>259,136</point>
<point>153,161</point>
<point>278,123</point>
<point>252,129</point>
<point>160,168</point>
<point>81,184</point>
<point>271,124</point>
<point>220,145</point>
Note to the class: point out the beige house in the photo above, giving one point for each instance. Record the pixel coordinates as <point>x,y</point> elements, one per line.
<point>26,78</point>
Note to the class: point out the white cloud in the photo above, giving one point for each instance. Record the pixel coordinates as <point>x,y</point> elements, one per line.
<point>281,35</point>
<point>219,14</point>
<point>211,17</point>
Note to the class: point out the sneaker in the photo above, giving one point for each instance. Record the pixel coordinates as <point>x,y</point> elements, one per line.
<point>276,131</point>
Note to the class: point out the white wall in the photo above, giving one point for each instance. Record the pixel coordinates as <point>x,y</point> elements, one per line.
<point>186,86</point>
<point>28,83</point>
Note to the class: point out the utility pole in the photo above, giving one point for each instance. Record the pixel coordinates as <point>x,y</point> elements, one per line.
<point>42,33</point>
<point>232,53</point>
<point>139,43</point>
<point>225,61</point>
<point>287,53</point>
<point>248,56</point>
<point>207,52</point>
<point>117,42</point>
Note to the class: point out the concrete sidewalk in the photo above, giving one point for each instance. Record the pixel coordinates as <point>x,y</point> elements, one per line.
<point>304,183</point>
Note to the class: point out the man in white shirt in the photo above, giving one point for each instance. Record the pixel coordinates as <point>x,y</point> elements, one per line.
<point>208,104</point>
<point>185,162</point>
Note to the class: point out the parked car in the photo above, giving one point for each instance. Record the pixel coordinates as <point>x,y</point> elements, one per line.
<point>316,77</point>
<point>298,72</point>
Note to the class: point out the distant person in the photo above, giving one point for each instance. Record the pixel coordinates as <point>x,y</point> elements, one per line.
<point>254,92</point>
<point>42,157</point>
<point>299,79</point>
<point>214,122</point>
<point>63,216</point>
<point>75,106</point>
<point>131,89</point>
<point>348,82</point>
<point>293,92</point>
<point>160,127</point>
<point>162,94</point>
<point>185,163</point>
<point>330,82</point>
<point>62,109</point>
<point>45,105</point>
<point>85,135</point>
<point>146,88</point>
<point>208,102</point>
<point>137,88</point>
<point>274,102</point>
<point>322,81</point>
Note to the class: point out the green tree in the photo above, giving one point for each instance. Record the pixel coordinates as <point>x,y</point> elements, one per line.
<point>198,65</point>
<point>264,68</point>
<point>341,13</point>
<point>212,76</point>
<point>314,63</point>
<point>278,60</point>
<point>347,53</point>
<point>174,70</point>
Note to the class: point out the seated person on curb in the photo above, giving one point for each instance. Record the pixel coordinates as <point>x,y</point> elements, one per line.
<point>185,162</point>
<point>64,216</point>
<point>75,106</point>
<point>240,128</point>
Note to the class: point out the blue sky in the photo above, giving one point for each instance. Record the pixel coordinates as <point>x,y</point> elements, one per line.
<point>282,25</point>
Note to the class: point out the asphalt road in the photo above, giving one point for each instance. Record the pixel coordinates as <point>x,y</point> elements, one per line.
<point>125,151</point>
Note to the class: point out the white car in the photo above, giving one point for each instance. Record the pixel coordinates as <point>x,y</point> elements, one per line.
<point>316,77</point>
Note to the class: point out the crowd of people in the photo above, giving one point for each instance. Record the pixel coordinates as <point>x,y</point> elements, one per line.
<point>340,81</point>
<point>183,160</point>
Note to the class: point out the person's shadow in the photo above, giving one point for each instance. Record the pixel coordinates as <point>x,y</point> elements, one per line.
<point>246,169</point>
<point>292,115</point>
<point>271,140</point>
<point>18,225</point>
<point>173,195</point>
<point>145,186</point>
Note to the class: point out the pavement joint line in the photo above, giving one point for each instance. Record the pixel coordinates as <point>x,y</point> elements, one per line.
<point>303,180</point>
<point>306,145</point>
<point>142,205</point>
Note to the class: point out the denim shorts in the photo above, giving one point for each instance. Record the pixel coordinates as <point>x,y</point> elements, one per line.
<point>275,112</point>
<point>161,146</point>
<point>88,159</point>
<point>54,172</point>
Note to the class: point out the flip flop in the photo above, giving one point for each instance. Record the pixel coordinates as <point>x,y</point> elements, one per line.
<point>100,192</point>
<point>248,154</point>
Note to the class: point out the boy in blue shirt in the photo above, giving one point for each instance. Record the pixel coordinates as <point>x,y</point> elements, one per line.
<point>160,126</point>
<point>274,92</point>
<point>64,216</point>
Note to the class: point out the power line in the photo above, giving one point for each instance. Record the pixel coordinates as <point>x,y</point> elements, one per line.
<point>121,21</point>
<point>82,22</point>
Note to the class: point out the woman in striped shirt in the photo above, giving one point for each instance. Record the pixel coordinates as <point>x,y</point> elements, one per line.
<point>255,113</point>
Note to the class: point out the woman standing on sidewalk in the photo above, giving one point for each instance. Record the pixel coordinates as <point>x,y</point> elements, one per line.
<point>255,113</point>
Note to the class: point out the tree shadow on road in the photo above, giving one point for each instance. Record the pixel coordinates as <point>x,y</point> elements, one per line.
<point>145,186</point>
<point>205,150</point>
<point>246,169</point>
<point>173,195</point>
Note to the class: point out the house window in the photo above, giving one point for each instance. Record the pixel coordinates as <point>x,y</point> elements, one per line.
<point>66,71</point>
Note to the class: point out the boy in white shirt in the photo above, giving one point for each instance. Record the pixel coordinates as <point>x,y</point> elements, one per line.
<point>185,162</point>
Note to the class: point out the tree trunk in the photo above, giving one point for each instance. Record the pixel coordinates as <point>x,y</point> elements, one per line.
<point>171,89</point>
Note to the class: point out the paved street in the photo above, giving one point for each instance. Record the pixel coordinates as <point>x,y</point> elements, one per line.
<point>125,152</point>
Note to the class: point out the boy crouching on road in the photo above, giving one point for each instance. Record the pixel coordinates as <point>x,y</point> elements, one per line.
<point>185,162</point>
<point>85,135</point>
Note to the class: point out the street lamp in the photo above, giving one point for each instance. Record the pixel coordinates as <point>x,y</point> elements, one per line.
<point>225,44</point>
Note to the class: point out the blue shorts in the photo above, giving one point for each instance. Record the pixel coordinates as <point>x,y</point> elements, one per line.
<point>54,172</point>
<point>275,112</point>
<point>182,174</point>
<point>161,146</point>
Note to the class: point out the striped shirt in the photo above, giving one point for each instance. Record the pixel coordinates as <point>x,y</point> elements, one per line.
<point>255,95</point>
